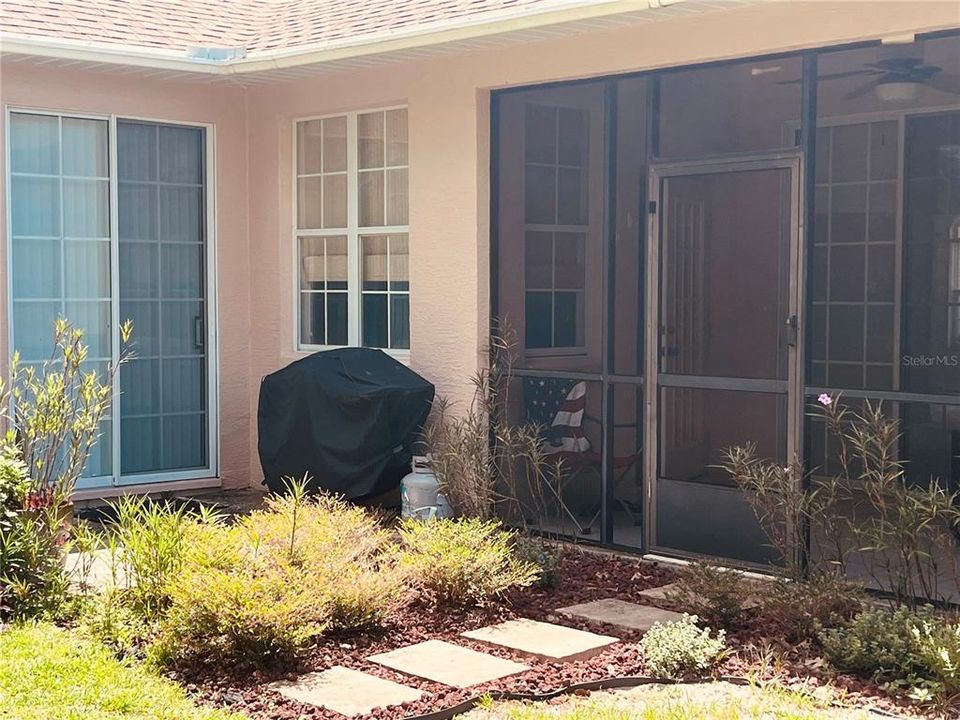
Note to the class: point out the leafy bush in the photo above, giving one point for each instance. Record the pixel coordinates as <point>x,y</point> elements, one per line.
<point>680,648</point>
<point>342,543</point>
<point>57,410</point>
<point>50,420</point>
<point>545,556</point>
<point>906,648</point>
<point>799,610</point>
<point>512,477</point>
<point>900,530</point>
<point>109,617</point>
<point>461,561</point>
<point>268,586</point>
<point>877,644</point>
<point>938,649</point>
<point>232,601</point>
<point>717,596</point>
<point>151,538</point>
<point>32,581</point>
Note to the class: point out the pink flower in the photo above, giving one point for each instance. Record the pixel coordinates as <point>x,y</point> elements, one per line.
<point>825,400</point>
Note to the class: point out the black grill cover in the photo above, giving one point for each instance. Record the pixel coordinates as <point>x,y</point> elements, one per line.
<point>347,417</point>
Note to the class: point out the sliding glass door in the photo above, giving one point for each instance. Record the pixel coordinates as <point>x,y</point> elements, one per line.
<point>60,244</point>
<point>108,221</point>
<point>163,404</point>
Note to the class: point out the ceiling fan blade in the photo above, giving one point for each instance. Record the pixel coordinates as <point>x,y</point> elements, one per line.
<point>834,76</point>
<point>861,91</point>
<point>849,73</point>
<point>894,63</point>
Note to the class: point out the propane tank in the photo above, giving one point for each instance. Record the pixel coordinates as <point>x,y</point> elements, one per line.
<point>419,491</point>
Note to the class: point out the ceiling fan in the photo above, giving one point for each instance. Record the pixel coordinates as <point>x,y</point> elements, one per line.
<point>896,79</point>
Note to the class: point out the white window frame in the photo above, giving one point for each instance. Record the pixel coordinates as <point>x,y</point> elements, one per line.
<point>353,232</point>
<point>187,479</point>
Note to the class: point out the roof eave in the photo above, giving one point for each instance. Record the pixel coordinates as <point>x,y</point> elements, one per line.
<point>317,54</point>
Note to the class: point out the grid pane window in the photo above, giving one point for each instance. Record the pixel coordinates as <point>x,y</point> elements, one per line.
<point>856,254</point>
<point>323,290</point>
<point>382,167</point>
<point>556,215</point>
<point>322,173</point>
<point>352,177</point>
<point>386,291</point>
<point>60,240</point>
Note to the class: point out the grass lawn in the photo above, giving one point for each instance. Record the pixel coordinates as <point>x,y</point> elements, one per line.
<point>707,701</point>
<point>50,674</point>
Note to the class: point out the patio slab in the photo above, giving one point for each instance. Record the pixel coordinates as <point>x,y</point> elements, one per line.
<point>620,613</point>
<point>446,663</point>
<point>543,640</point>
<point>93,570</point>
<point>659,593</point>
<point>348,692</point>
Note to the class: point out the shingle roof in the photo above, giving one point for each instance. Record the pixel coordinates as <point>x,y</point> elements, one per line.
<point>254,25</point>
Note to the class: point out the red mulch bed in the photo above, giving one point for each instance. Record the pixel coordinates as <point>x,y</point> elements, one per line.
<point>581,577</point>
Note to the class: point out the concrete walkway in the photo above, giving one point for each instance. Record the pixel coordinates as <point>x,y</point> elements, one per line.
<point>353,692</point>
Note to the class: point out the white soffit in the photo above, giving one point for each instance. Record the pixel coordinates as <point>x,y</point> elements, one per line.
<point>574,18</point>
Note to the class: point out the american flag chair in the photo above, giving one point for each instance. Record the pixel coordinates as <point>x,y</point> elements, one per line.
<point>559,407</point>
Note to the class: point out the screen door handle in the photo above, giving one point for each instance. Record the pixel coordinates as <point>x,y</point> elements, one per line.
<point>198,339</point>
<point>792,331</point>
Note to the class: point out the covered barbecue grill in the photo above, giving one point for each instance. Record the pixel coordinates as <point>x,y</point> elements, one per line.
<point>349,418</point>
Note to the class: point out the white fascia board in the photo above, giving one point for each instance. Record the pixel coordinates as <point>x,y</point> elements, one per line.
<point>412,38</point>
<point>104,53</point>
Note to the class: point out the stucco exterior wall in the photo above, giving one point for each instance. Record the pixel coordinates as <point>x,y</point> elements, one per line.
<point>448,101</point>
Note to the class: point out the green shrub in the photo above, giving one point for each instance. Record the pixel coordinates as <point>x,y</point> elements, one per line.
<point>912,649</point>
<point>899,530</point>
<point>269,586</point>
<point>235,601</point>
<point>151,539</point>
<point>799,610</point>
<point>877,644</point>
<point>109,617</point>
<point>717,596</point>
<point>32,580</point>
<point>49,422</point>
<point>461,561</point>
<point>680,648</point>
<point>545,556</point>
<point>938,650</point>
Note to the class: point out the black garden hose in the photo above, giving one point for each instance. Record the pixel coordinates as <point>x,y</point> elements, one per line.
<point>605,684</point>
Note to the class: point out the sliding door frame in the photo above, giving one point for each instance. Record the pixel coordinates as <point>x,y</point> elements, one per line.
<point>95,485</point>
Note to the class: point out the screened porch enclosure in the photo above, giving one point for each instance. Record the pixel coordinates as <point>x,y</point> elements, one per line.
<point>694,255</point>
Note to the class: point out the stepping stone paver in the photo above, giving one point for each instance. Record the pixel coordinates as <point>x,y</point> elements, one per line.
<point>543,640</point>
<point>448,664</point>
<point>659,593</point>
<point>93,569</point>
<point>348,692</point>
<point>620,613</point>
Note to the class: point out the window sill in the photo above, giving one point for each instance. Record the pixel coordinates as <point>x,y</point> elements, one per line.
<point>304,350</point>
<point>555,352</point>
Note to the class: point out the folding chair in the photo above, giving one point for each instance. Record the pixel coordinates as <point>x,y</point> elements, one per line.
<point>559,407</point>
